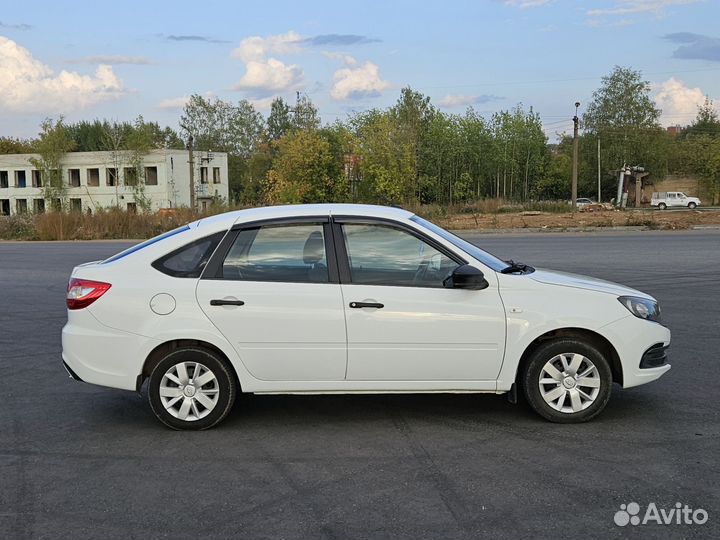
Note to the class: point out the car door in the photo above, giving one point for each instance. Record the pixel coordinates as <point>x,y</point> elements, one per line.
<point>273,292</point>
<point>402,323</point>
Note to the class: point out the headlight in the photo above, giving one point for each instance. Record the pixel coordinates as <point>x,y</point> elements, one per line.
<point>641,307</point>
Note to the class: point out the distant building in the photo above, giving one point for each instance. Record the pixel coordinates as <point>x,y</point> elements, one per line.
<point>108,179</point>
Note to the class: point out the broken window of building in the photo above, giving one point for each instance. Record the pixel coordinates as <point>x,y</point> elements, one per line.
<point>3,179</point>
<point>216,175</point>
<point>21,206</point>
<point>56,204</point>
<point>111,176</point>
<point>93,177</point>
<point>74,177</point>
<point>203,175</point>
<point>20,181</point>
<point>132,207</point>
<point>151,176</point>
<point>4,207</point>
<point>39,206</point>
<point>76,205</point>
<point>36,178</point>
<point>131,176</point>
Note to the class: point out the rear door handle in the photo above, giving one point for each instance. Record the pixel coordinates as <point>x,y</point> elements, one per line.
<point>357,305</point>
<point>224,302</point>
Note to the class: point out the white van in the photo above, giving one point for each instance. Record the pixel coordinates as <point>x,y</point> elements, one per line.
<point>663,199</point>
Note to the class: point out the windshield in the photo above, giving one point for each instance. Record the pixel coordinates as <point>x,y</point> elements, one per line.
<point>145,244</point>
<point>483,256</point>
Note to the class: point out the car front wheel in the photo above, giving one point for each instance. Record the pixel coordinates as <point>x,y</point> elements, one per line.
<point>191,388</point>
<point>692,206</point>
<point>567,381</point>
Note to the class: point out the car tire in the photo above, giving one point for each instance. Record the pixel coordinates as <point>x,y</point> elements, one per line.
<point>581,378</point>
<point>692,206</point>
<point>662,206</point>
<point>191,389</point>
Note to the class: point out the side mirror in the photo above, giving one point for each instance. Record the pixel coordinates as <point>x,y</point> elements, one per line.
<point>466,277</point>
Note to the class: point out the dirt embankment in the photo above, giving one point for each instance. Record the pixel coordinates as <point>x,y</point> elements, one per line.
<point>658,219</point>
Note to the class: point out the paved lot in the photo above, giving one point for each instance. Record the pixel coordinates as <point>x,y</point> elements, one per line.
<point>78,461</point>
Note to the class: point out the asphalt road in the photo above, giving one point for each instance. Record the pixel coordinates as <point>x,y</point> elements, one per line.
<point>78,461</point>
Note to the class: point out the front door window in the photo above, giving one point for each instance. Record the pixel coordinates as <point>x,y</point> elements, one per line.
<point>383,255</point>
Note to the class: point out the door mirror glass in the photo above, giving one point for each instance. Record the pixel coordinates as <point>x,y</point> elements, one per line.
<point>467,277</point>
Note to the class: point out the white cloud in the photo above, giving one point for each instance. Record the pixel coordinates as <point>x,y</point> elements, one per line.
<point>259,48</point>
<point>358,82</point>
<point>265,74</point>
<point>629,7</point>
<point>461,100</point>
<point>679,103</point>
<point>271,75</point>
<point>28,85</point>
<point>524,4</point>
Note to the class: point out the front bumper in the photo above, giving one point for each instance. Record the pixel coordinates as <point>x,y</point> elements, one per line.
<point>641,346</point>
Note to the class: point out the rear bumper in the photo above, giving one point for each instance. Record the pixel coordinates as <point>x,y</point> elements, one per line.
<point>96,354</point>
<point>71,373</point>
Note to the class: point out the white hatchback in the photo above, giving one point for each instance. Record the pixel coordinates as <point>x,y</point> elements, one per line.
<point>349,299</point>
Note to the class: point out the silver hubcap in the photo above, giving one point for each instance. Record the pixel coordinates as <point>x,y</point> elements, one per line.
<point>569,382</point>
<point>189,391</point>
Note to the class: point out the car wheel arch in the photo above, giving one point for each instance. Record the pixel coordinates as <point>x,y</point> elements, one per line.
<point>584,334</point>
<point>159,352</point>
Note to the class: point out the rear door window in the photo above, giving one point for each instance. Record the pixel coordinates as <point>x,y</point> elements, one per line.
<point>283,253</point>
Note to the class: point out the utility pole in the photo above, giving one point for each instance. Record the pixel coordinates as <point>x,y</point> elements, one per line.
<point>191,162</point>
<point>576,122</point>
<point>599,187</point>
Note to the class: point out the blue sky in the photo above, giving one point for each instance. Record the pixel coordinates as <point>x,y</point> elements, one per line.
<point>117,60</point>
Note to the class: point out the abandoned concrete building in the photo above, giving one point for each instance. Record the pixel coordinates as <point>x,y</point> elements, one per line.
<point>95,180</point>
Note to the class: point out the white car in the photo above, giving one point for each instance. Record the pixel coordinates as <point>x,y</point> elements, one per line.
<point>584,203</point>
<point>349,299</point>
<point>664,199</point>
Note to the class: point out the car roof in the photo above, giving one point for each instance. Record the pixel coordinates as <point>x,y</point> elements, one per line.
<point>228,219</point>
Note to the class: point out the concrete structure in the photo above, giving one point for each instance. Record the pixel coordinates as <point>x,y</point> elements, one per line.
<point>105,179</point>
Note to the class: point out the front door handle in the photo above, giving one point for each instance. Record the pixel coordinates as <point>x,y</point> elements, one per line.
<point>224,302</point>
<point>356,305</point>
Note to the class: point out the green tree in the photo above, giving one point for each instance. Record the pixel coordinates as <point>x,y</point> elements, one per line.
<point>304,170</point>
<point>279,121</point>
<point>52,145</point>
<point>223,127</point>
<point>10,145</point>
<point>386,159</point>
<point>706,122</point>
<point>626,120</point>
<point>305,114</point>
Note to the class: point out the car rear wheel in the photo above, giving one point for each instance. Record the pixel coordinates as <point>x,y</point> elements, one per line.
<point>662,206</point>
<point>567,381</point>
<point>191,388</point>
<point>692,206</point>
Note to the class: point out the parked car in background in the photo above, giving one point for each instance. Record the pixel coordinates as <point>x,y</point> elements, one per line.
<point>340,298</point>
<point>665,199</point>
<point>583,202</point>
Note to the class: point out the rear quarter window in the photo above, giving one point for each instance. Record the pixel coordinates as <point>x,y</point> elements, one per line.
<point>189,260</point>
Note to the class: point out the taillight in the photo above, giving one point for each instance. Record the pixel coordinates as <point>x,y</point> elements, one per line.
<point>83,292</point>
